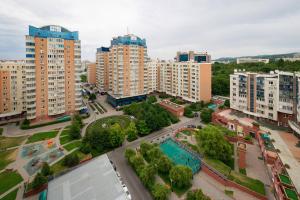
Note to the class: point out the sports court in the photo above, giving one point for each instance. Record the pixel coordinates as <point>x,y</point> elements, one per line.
<point>179,155</point>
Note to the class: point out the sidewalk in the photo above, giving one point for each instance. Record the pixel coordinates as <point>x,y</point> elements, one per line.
<point>286,156</point>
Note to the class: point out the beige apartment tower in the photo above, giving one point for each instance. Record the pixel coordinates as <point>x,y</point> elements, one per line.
<point>53,68</point>
<point>12,89</point>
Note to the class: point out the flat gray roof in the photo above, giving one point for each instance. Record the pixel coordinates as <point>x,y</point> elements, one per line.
<point>93,180</point>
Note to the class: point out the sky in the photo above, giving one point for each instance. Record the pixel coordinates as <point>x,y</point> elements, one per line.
<point>223,28</point>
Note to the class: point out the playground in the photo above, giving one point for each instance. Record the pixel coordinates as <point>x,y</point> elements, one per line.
<point>33,150</point>
<point>37,162</point>
<point>179,155</point>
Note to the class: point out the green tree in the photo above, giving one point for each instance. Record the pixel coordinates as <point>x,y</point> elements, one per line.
<point>212,141</point>
<point>129,153</point>
<point>116,136</point>
<point>46,171</point>
<point>206,115</point>
<point>151,99</point>
<point>164,164</point>
<point>38,181</point>
<point>145,147</point>
<point>137,162</point>
<point>196,195</point>
<point>83,78</point>
<point>75,130</point>
<point>78,119</point>
<point>147,175</point>
<point>92,97</point>
<point>227,103</point>
<point>154,154</point>
<point>131,132</point>
<point>188,112</point>
<point>160,192</point>
<point>181,176</point>
<point>71,160</point>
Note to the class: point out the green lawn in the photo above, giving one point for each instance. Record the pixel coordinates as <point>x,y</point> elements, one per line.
<point>1,131</point>
<point>8,180</point>
<point>58,167</point>
<point>187,132</point>
<point>7,142</point>
<point>65,139</point>
<point>6,157</point>
<point>253,184</point>
<point>42,136</point>
<point>229,193</point>
<point>11,196</point>
<point>218,165</point>
<point>73,145</point>
<point>123,120</point>
<point>64,132</point>
<point>285,179</point>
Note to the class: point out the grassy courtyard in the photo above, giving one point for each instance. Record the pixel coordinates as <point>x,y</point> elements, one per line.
<point>8,180</point>
<point>59,167</point>
<point>122,120</point>
<point>42,136</point>
<point>6,157</point>
<point>7,142</point>
<point>11,196</point>
<point>73,145</point>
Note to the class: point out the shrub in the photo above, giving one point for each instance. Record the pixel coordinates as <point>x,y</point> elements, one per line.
<point>206,115</point>
<point>38,181</point>
<point>188,112</point>
<point>129,153</point>
<point>181,176</point>
<point>46,171</point>
<point>160,192</point>
<point>196,195</point>
<point>71,160</point>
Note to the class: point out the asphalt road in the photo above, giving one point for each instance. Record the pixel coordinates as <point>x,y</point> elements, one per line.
<point>129,177</point>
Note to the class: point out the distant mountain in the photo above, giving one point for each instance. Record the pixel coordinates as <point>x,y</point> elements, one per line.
<point>271,57</point>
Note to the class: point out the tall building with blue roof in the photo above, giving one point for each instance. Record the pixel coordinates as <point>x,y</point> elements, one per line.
<point>53,64</point>
<point>120,69</point>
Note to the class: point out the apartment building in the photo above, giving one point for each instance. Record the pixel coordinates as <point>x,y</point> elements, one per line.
<point>198,57</point>
<point>120,69</point>
<point>273,96</point>
<point>91,73</point>
<point>252,60</point>
<point>53,68</point>
<point>12,89</point>
<point>189,80</point>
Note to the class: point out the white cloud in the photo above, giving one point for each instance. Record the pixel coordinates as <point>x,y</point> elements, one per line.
<point>223,28</point>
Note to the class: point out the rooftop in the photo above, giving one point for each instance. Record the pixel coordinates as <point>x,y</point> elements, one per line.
<point>170,104</point>
<point>91,181</point>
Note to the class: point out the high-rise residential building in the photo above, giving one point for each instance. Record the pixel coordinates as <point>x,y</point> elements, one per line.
<point>120,69</point>
<point>53,67</point>
<point>199,57</point>
<point>252,60</point>
<point>102,69</point>
<point>273,96</point>
<point>189,80</point>
<point>12,89</point>
<point>91,73</point>
<point>151,75</point>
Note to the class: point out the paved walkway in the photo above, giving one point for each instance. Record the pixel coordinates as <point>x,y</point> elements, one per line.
<point>11,189</point>
<point>286,156</point>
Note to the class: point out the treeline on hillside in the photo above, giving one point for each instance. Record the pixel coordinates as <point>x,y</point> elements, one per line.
<point>221,72</point>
